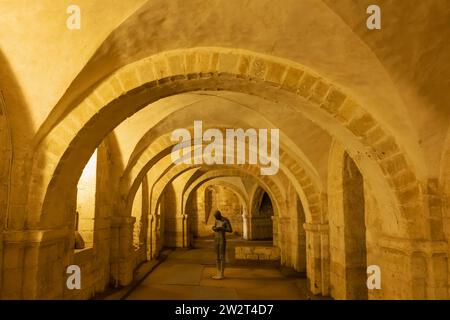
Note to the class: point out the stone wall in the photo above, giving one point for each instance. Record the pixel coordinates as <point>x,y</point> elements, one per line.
<point>261,228</point>
<point>200,203</point>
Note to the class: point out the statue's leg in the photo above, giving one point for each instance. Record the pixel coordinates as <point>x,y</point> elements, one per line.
<point>220,262</point>
<point>222,268</point>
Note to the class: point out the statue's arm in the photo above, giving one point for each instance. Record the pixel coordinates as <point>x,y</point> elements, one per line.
<point>228,227</point>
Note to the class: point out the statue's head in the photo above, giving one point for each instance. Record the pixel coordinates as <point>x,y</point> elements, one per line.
<point>218,215</point>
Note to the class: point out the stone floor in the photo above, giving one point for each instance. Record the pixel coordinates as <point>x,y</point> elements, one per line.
<point>186,275</point>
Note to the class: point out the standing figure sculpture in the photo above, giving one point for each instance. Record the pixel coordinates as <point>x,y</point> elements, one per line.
<point>221,226</point>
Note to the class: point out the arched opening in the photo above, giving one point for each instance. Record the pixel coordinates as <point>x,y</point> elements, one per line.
<point>113,113</point>
<point>261,218</point>
<point>86,205</point>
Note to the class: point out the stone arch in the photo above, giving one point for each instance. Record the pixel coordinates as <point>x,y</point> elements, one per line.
<point>145,167</point>
<point>236,190</point>
<point>317,253</point>
<point>312,201</point>
<point>142,82</point>
<point>308,191</point>
<point>174,171</point>
<point>259,120</point>
<point>245,170</point>
<point>310,220</point>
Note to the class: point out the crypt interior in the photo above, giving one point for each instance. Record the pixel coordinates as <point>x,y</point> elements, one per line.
<point>87,179</point>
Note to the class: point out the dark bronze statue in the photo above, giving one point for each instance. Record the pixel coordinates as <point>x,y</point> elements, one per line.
<point>221,226</point>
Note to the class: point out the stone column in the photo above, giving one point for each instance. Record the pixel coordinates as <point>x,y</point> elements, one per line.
<point>36,263</point>
<point>123,265</point>
<point>325,253</point>
<point>317,258</point>
<point>284,240</point>
<point>178,231</point>
<point>150,237</point>
<point>102,247</point>
<point>435,199</point>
